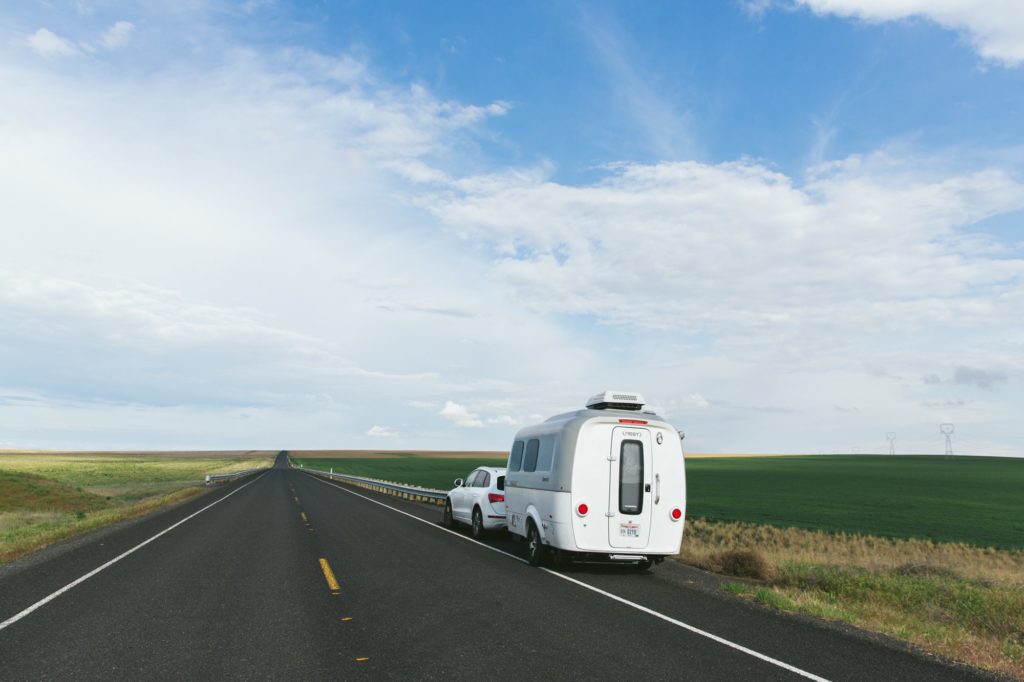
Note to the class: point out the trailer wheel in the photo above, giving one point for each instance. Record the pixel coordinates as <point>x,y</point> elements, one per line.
<point>644,565</point>
<point>448,521</point>
<point>561,559</point>
<point>478,524</point>
<point>534,549</point>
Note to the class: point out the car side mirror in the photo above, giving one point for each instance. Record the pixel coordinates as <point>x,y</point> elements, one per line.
<point>458,482</point>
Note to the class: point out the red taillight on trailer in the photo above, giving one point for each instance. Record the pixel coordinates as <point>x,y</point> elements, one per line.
<point>632,421</point>
<point>495,497</point>
<point>582,509</point>
<point>676,513</point>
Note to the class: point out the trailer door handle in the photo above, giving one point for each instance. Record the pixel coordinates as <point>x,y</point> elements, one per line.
<point>657,488</point>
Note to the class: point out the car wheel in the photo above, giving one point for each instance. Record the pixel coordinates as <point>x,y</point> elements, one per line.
<point>478,524</point>
<point>448,521</point>
<point>534,550</point>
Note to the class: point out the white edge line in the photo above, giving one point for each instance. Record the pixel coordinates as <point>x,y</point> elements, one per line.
<point>334,484</point>
<point>46,600</point>
<point>638,607</point>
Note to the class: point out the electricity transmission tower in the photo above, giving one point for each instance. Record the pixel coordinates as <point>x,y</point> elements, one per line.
<point>947,431</point>
<point>891,437</point>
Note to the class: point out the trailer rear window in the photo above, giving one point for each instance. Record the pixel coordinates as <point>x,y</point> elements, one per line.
<point>547,451</point>
<point>631,477</point>
<point>515,462</point>
<point>530,461</point>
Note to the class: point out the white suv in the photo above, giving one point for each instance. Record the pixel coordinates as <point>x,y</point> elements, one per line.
<point>479,501</point>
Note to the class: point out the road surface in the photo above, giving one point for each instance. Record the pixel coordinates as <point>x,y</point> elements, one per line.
<point>287,576</point>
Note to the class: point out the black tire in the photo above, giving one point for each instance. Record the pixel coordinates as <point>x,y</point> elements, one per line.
<point>448,521</point>
<point>644,565</point>
<point>477,529</point>
<point>534,548</point>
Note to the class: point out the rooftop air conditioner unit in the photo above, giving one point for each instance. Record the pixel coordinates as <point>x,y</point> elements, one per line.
<point>616,400</point>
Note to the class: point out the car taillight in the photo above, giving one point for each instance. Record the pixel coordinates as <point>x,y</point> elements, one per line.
<point>676,513</point>
<point>495,497</point>
<point>582,509</point>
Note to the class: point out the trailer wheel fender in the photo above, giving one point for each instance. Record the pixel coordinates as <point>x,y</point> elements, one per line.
<point>533,515</point>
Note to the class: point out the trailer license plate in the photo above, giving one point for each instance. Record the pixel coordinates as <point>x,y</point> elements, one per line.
<point>629,530</point>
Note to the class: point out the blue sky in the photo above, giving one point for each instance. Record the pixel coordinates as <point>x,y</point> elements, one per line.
<point>794,225</point>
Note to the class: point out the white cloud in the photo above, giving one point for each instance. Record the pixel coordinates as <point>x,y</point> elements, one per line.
<point>460,416</point>
<point>48,44</point>
<point>994,27</point>
<point>259,249</point>
<point>694,400</point>
<point>739,248</point>
<point>117,35</point>
<point>381,432</point>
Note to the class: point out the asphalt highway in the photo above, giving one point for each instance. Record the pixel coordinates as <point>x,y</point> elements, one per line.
<point>287,576</point>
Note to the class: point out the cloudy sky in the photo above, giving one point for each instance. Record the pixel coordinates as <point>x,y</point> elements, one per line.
<point>793,225</point>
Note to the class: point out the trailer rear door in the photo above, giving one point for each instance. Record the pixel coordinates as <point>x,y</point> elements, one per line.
<point>629,496</point>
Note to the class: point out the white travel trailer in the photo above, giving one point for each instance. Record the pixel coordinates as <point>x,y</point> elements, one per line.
<point>606,483</point>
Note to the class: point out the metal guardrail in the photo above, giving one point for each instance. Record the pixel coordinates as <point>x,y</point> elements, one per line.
<point>409,492</point>
<point>212,479</point>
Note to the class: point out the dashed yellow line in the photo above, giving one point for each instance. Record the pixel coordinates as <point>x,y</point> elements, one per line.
<point>304,519</point>
<point>329,576</point>
<point>362,658</point>
<point>347,618</point>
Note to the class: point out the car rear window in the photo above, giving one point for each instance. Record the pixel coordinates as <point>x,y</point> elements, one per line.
<point>501,483</point>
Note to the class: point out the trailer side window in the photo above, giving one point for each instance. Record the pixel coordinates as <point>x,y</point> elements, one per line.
<point>547,450</point>
<point>515,462</point>
<point>631,477</point>
<point>530,461</point>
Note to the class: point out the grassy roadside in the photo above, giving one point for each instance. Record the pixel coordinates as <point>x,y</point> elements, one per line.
<point>49,497</point>
<point>410,468</point>
<point>962,602</point>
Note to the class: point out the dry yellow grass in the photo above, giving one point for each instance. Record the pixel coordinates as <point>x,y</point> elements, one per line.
<point>176,454</point>
<point>965,603</point>
<point>780,545</point>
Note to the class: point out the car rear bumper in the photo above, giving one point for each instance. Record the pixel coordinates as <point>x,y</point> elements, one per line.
<point>494,522</point>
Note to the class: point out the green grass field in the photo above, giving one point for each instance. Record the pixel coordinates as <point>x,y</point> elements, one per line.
<point>976,500</point>
<point>48,497</point>
<point>429,472</point>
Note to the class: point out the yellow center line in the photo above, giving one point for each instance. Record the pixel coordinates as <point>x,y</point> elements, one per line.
<point>347,618</point>
<point>332,583</point>
<point>304,519</point>
<point>364,658</point>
